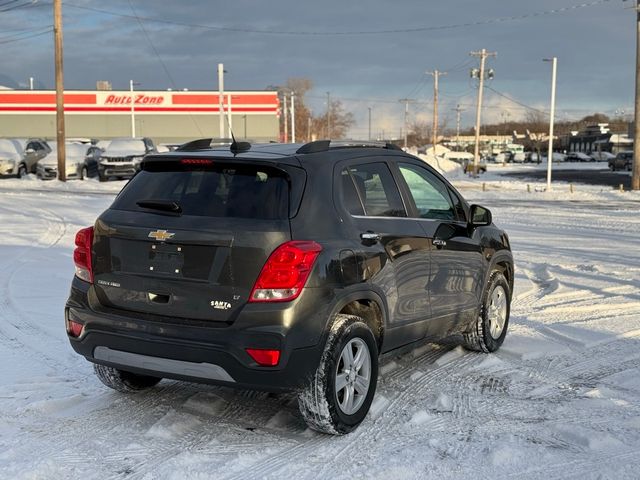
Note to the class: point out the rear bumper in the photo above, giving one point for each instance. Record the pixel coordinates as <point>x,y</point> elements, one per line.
<point>196,351</point>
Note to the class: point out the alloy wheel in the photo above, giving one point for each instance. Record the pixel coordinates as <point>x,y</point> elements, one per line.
<point>497,311</point>
<point>353,376</point>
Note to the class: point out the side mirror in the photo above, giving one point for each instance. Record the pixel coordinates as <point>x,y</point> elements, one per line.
<point>480,216</point>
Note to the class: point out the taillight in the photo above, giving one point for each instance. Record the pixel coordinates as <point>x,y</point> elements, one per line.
<point>264,358</point>
<point>74,329</point>
<point>82,254</point>
<point>286,272</point>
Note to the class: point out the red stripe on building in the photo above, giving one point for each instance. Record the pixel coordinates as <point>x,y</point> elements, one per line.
<point>47,98</point>
<point>236,99</point>
<point>138,109</point>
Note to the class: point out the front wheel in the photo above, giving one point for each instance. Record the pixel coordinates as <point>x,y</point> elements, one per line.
<point>122,381</point>
<point>84,173</point>
<point>22,171</point>
<point>490,328</point>
<point>338,396</point>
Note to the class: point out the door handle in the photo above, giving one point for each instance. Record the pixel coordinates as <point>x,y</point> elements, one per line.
<point>439,243</point>
<point>370,237</point>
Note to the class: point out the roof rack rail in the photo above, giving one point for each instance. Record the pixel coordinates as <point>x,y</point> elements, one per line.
<point>325,145</point>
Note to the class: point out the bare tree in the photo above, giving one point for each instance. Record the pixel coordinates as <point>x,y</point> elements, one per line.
<point>341,122</point>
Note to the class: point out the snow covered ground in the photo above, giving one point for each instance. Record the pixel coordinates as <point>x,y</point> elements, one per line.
<point>561,399</point>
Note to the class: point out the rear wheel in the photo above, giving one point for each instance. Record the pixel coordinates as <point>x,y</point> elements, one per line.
<point>337,398</point>
<point>490,328</point>
<point>125,382</point>
<point>22,170</point>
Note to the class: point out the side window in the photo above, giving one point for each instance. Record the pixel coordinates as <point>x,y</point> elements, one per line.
<point>377,190</point>
<point>350,198</point>
<point>430,195</point>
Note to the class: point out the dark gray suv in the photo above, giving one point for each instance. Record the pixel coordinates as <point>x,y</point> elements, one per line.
<point>284,268</point>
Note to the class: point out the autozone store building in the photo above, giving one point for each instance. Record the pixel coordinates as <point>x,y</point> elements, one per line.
<point>164,116</point>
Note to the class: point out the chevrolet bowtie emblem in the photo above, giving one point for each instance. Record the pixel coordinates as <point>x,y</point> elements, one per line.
<point>161,235</point>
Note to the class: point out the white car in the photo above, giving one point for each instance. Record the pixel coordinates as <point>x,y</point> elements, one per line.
<point>602,156</point>
<point>81,161</point>
<point>122,157</point>
<point>10,156</point>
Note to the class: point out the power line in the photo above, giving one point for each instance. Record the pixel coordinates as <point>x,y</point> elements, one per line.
<point>22,36</point>
<point>157,54</point>
<point>427,28</point>
<point>528,107</point>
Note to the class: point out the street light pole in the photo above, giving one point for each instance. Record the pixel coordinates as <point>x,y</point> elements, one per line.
<point>369,122</point>
<point>133,110</point>
<point>221,97</point>
<point>554,69</point>
<point>293,118</point>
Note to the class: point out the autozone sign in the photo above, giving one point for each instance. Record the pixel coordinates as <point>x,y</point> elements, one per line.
<point>149,102</point>
<point>139,99</point>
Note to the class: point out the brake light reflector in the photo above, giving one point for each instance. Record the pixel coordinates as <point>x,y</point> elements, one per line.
<point>74,329</point>
<point>82,254</point>
<point>196,161</point>
<point>286,272</point>
<point>264,358</point>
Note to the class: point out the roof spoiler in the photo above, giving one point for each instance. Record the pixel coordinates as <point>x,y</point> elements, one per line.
<point>206,144</point>
<point>326,145</point>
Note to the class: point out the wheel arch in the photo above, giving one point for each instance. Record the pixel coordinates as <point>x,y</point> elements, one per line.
<point>369,306</point>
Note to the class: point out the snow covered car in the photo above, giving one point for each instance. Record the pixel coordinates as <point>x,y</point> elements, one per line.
<point>10,156</point>
<point>19,156</point>
<point>602,156</point>
<point>578,157</point>
<point>285,267</point>
<point>122,157</point>
<point>81,162</point>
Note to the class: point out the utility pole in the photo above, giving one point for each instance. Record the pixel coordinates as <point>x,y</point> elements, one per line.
<point>60,128</point>
<point>434,139</point>
<point>635,176</point>
<point>554,70</point>
<point>329,115</point>
<point>458,111</point>
<point>483,54</point>
<point>369,123</point>
<point>293,118</point>
<point>406,102</point>
<point>309,117</point>
<point>221,97</point>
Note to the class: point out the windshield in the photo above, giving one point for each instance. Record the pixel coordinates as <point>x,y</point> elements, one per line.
<point>8,146</point>
<point>127,146</point>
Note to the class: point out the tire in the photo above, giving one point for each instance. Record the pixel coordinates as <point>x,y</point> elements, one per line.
<point>326,410</point>
<point>84,173</point>
<point>102,178</point>
<point>125,382</point>
<point>488,333</point>
<point>22,171</point>
<point>628,167</point>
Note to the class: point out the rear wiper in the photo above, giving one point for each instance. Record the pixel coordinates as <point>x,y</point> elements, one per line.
<point>164,205</point>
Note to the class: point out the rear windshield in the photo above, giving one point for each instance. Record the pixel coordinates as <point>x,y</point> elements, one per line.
<point>243,192</point>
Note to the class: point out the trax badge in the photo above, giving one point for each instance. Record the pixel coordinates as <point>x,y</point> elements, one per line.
<point>161,235</point>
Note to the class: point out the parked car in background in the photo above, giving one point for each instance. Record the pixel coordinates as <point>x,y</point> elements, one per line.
<point>30,152</point>
<point>622,161</point>
<point>81,161</point>
<point>578,157</point>
<point>10,156</point>
<point>602,156</point>
<point>122,157</point>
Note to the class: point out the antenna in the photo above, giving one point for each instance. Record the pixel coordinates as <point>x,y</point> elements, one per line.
<point>236,147</point>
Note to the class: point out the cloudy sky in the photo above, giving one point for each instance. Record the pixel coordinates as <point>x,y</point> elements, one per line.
<point>366,53</point>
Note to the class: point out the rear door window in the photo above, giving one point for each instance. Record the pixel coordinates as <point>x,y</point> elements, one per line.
<point>375,194</point>
<point>222,191</point>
